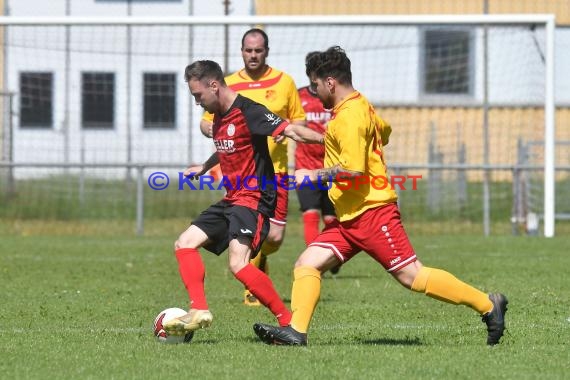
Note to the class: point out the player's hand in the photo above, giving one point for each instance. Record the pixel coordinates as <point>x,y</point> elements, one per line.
<point>194,171</point>
<point>279,139</point>
<point>304,175</point>
<point>207,128</point>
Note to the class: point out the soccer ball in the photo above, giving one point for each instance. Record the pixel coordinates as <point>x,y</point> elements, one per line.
<point>165,316</point>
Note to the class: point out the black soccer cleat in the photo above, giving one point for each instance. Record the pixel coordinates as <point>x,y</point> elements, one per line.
<point>263,332</point>
<point>282,336</point>
<point>334,270</point>
<point>495,319</point>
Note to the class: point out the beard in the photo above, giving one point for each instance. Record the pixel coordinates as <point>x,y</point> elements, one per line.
<point>253,64</point>
<point>327,103</point>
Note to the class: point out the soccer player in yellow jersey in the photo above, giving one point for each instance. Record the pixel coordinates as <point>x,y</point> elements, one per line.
<point>368,216</point>
<point>277,91</point>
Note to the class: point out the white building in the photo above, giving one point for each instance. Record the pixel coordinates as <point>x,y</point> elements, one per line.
<point>110,94</point>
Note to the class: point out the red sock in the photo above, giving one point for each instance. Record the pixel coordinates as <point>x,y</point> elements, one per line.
<point>192,272</point>
<point>260,285</point>
<point>311,223</point>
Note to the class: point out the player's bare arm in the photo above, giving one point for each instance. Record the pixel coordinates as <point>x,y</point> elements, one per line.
<point>279,138</point>
<point>206,128</point>
<point>300,133</point>
<point>196,171</point>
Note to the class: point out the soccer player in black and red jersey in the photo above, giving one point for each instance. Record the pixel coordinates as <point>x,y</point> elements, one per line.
<point>314,200</point>
<point>240,221</point>
<point>277,91</point>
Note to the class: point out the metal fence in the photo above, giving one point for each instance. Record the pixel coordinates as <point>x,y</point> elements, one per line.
<point>439,201</point>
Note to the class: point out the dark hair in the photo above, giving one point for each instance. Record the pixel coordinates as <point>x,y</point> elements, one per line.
<point>204,70</point>
<point>311,55</point>
<point>332,62</point>
<point>258,31</point>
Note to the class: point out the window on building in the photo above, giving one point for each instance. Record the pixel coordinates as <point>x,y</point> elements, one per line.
<point>448,62</point>
<point>97,100</point>
<point>36,99</point>
<point>159,100</point>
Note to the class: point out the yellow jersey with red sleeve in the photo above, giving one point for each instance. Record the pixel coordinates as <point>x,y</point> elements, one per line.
<point>354,140</point>
<point>277,91</point>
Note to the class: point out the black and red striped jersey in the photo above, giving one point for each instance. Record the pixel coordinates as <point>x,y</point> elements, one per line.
<point>311,156</point>
<point>240,137</point>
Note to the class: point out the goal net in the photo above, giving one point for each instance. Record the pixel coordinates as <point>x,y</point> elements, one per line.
<point>93,96</point>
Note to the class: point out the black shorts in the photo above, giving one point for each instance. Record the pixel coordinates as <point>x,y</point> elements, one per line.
<point>315,198</point>
<point>223,222</point>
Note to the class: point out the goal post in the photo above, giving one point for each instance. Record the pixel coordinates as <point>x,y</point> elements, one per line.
<point>371,45</point>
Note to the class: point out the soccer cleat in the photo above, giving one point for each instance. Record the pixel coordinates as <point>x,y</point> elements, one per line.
<point>334,270</point>
<point>495,319</point>
<point>249,299</point>
<point>282,336</point>
<point>194,320</point>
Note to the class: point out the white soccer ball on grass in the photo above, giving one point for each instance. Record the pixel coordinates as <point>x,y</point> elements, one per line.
<point>165,316</point>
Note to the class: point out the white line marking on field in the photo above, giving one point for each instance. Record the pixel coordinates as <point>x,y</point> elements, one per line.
<point>56,330</point>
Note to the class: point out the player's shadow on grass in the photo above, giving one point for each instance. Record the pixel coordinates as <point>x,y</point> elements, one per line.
<point>391,342</point>
<point>209,342</point>
<point>371,342</point>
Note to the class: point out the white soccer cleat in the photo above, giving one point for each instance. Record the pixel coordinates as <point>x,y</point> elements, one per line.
<point>194,320</point>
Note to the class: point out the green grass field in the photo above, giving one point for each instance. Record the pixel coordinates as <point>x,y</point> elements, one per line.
<point>82,307</point>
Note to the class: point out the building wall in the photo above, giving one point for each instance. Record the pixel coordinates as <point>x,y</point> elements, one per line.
<point>561,8</point>
<point>104,49</point>
<point>390,80</point>
<point>416,125</point>
<point>2,117</point>
<point>446,128</point>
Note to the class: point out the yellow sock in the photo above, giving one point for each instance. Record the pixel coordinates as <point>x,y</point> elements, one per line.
<point>256,261</point>
<point>260,261</point>
<point>268,248</point>
<point>304,296</point>
<point>444,286</point>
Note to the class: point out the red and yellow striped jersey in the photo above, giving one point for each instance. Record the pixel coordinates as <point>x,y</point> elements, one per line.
<point>354,140</point>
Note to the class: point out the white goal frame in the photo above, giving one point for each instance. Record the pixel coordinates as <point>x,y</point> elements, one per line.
<point>547,20</point>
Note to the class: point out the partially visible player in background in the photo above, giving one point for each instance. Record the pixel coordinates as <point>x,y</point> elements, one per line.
<point>277,91</point>
<point>314,201</point>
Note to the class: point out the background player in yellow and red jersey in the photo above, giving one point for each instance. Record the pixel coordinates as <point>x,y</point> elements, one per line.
<point>277,91</point>
<point>314,201</point>
<point>368,216</point>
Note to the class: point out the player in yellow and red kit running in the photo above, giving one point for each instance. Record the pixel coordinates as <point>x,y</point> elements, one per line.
<point>277,91</point>
<point>368,215</point>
